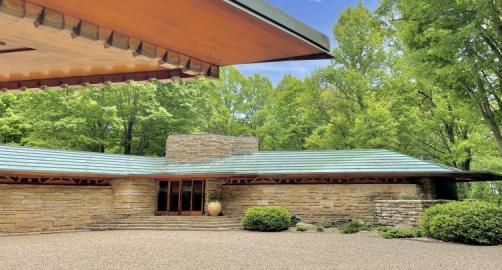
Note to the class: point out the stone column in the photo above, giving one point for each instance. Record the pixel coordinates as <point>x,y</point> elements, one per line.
<point>134,197</point>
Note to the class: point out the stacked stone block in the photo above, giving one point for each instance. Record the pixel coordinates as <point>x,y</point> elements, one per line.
<point>43,208</point>
<point>134,197</point>
<point>207,147</point>
<point>402,212</point>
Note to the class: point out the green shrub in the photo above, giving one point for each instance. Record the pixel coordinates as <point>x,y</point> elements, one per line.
<point>295,219</point>
<point>471,222</point>
<point>319,228</point>
<point>301,227</point>
<point>353,227</point>
<point>390,233</point>
<point>215,197</point>
<point>266,219</point>
<point>325,223</point>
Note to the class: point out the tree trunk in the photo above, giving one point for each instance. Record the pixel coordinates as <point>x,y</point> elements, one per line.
<point>484,108</point>
<point>128,136</point>
<point>467,188</point>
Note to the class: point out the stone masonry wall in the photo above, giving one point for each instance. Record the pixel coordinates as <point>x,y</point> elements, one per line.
<point>206,147</point>
<point>41,208</point>
<point>337,202</point>
<point>134,197</point>
<point>402,212</point>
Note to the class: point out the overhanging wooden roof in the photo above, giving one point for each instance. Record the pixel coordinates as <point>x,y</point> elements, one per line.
<point>72,42</point>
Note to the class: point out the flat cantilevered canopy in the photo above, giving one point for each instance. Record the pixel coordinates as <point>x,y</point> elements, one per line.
<point>72,42</point>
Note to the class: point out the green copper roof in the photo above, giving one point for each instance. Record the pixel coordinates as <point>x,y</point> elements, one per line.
<point>13,158</point>
<point>301,162</point>
<point>24,159</point>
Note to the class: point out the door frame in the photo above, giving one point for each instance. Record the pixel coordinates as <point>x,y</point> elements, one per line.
<point>180,189</point>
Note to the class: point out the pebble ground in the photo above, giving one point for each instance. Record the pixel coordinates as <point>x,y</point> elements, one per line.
<point>237,250</point>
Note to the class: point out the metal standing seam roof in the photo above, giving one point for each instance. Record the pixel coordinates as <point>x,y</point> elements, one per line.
<point>25,159</point>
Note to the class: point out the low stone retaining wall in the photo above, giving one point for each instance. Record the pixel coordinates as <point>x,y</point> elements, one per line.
<point>402,212</point>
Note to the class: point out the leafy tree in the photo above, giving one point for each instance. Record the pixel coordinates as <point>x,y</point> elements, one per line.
<point>461,42</point>
<point>13,127</point>
<point>282,128</point>
<point>355,115</point>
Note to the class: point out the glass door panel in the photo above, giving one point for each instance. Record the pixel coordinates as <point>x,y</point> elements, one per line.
<point>186,196</point>
<point>174,196</point>
<point>197,196</point>
<point>162,198</point>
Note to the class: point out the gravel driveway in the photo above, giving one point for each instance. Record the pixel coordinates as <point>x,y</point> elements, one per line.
<point>237,250</point>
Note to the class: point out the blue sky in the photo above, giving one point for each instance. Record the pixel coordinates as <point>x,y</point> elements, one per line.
<point>319,14</point>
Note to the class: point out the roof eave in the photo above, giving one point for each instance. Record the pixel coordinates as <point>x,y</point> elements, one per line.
<point>460,176</point>
<point>319,56</point>
<point>472,176</point>
<point>269,14</point>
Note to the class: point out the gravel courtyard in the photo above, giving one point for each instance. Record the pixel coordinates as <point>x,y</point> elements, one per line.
<point>237,250</point>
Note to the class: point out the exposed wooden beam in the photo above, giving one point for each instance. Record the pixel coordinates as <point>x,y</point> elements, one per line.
<point>161,75</point>
<point>13,50</point>
<point>12,7</point>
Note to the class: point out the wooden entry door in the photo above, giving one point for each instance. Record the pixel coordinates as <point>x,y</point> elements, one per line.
<point>181,197</point>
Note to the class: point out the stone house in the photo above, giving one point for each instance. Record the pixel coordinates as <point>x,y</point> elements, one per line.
<point>49,43</point>
<point>53,190</point>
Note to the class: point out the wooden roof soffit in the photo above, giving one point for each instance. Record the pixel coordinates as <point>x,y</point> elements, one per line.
<point>171,64</point>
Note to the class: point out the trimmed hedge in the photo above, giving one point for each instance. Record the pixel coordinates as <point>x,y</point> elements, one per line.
<point>471,222</point>
<point>266,219</point>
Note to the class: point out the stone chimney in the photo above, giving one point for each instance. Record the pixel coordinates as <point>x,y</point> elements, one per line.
<point>202,147</point>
